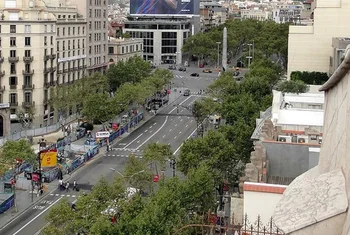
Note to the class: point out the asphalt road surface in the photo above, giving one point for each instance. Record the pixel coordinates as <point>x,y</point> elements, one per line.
<point>170,126</point>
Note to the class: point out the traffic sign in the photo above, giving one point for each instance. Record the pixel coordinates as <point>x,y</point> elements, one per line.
<point>102,134</point>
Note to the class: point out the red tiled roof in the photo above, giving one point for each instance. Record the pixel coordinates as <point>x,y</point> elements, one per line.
<point>264,188</point>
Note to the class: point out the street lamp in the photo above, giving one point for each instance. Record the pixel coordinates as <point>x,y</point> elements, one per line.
<point>249,57</point>
<point>218,63</point>
<point>123,176</point>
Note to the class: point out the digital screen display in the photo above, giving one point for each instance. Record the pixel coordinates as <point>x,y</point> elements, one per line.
<point>163,7</point>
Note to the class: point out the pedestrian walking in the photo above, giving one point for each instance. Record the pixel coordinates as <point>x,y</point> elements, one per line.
<point>75,185</point>
<point>67,186</point>
<point>60,184</point>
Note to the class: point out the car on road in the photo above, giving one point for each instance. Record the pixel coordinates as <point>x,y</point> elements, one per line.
<point>194,75</point>
<point>172,67</point>
<point>207,71</point>
<point>187,92</point>
<point>183,69</point>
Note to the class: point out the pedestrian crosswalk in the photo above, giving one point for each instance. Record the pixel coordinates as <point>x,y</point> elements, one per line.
<point>182,77</point>
<point>126,150</point>
<point>123,155</point>
<point>64,195</point>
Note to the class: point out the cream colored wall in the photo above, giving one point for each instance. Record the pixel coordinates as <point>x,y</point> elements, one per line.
<point>310,47</point>
<point>258,203</point>
<point>336,138</point>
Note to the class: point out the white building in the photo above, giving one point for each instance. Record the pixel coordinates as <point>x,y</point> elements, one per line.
<point>163,38</point>
<point>298,111</point>
<point>310,47</point>
<point>256,14</point>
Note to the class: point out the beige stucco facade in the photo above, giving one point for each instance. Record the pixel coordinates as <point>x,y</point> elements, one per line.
<point>123,49</point>
<point>310,47</point>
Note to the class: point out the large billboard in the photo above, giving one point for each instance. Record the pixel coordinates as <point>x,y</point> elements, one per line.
<point>48,158</point>
<point>163,7</point>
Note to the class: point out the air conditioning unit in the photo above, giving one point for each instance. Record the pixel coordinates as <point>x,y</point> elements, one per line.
<point>284,138</point>
<point>303,139</point>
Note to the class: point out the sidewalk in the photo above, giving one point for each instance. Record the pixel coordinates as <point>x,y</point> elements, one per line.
<point>23,186</point>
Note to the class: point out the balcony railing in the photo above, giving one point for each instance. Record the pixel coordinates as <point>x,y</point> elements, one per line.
<point>53,56</point>
<point>60,71</point>
<point>46,57</point>
<point>1,59</point>
<point>53,69</point>
<point>13,59</point>
<point>13,104</point>
<point>28,72</point>
<point>2,73</point>
<point>28,59</point>
<point>28,87</point>
<point>52,83</point>
<point>28,104</point>
<point>13,87</point>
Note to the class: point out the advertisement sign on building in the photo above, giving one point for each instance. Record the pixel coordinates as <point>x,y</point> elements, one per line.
<point>163,7</point>
<point>48,158</point>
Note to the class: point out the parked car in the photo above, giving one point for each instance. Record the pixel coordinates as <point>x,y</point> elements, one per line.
<point>194,75</point>
<point>187,92</point>
<point>183,69</point>
<point>88,126</point>
<point>207,71</point>
<point>172,67</point>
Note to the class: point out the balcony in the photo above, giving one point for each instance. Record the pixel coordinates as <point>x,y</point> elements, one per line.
<point>65,70</point>
<point>53,69</point>
<point>13,87</point>
<point>14,59</point>
<point>46,57</point>
<point>2,88</point>
<point>13,104</point>
<point>28,72</point>
<point>1,59</point>
<point>28,59</point>
<point>46,85</point>
<point>47,70</point>
<point>53,56</point>
<point>28,87</point>
<point>27,104</point>
<point>60,71</point>
<point>2,73</point>
<point>52,83</point>
<point>46,100</point>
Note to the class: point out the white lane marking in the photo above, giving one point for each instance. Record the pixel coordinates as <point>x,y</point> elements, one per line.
<point>181,111</point>
<point>51,194</point>
<point>37,216</point>
<point>166,119</point>
<point>154,124</point>
<point>138,142</point>
<point>150,131</point>
<point>175,137</point>
<point>57,195</point>
<point>163,136</point>
<point>170,130</point>
<point>157,142</point>
<point>122,144</point>
<point>67,195</point>
<point>150,127</point>
<point>133,140</point>
<point>180,132</point>
<point>179,117</point>
<point>177,150</point>
<point>146,130</point>
<point>191,120</point>
<point>175,124</point>
<point>186,126</point>
<point>73,196</point>
<point>181,120</point>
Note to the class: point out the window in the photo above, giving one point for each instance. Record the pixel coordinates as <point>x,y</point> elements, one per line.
<point>73,30</point>
<point>27,67</point>
<point>27,80</point>
<point>45,41</point>
<point>78,30</point>
<point>0,42</point>
<point>27,97</point>
<point>110,50</point>
<point>58,31</point>
<point>83,30</point>
<point>27,41</point>
<point>27,53</point>
<point>58,46</point>
<point>13,68</point>
<point>64,31</point>
<point>68,30</point>
<point>13,98</point>
<point>27,29</point>
<point>12,53</point>
<point>13,81</point>
<point>51,40</point>
<point>45,28</point>
<point>52,27</point>
<point>12,28</point>
<point>10,3</point>
<point>12,41</point>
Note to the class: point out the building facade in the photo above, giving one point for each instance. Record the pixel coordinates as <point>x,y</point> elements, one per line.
<point>96,14</point>
<point>28,39</point>
<point>310,46</point>
<point>122,49</point>
<point>162,38</point>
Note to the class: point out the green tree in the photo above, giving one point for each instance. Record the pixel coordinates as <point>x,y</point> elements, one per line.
<point>158,154</point>
<point>292,86</point>
<point>201,109</point>
<point>133,70</point>
<point>98,108</point>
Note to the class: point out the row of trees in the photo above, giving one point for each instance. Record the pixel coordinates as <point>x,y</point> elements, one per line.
<point>268,37</point>
<point>101,97</point>
<point>170,204</point>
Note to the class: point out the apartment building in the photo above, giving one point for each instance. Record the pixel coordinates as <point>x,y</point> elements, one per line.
<point>96,14</point>
<point>27,53</point>
<point>122,49</point>
<point>256,14</point>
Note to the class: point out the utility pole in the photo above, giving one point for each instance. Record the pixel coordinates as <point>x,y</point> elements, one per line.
<point>249,55</point>
<point>173,166</point>
<point>218,54</point>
